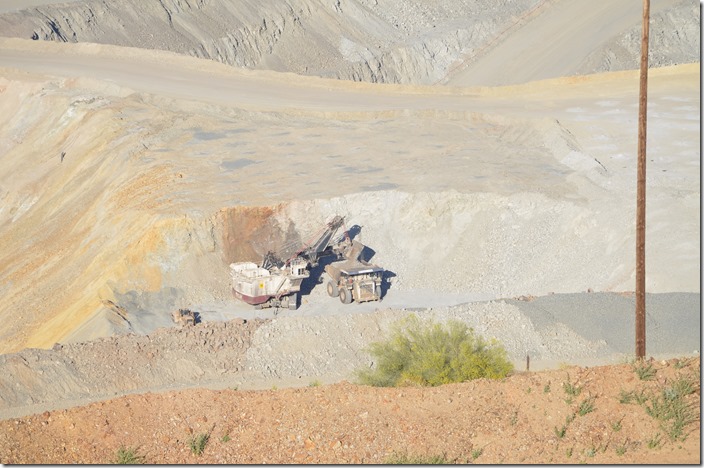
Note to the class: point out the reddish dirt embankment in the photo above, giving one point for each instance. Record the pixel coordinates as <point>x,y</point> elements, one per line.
<point>517,420</point>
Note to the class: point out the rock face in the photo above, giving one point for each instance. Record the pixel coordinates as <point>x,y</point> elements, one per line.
<point>360,40</point>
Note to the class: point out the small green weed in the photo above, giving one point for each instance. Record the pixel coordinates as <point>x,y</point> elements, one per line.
<point>640,397</point>
<point>226,438</point>
<point>514,418</point>
<point>632,396</point>
<point>477,453</point>
<point>655,442</point>
<point>616,426</point>
<point>644,371</point>
<point>315,383</point>
<point>529,389</point>
<point>569,452</point>
<point>572,390</point>
<point>560,433</point>
<point>620,450</point>
<point>128,456</point>
<point>590,452</point>
<point>546,388</point>
<point>198,443</point>
<point>586,407</point>
<point>625,398</point>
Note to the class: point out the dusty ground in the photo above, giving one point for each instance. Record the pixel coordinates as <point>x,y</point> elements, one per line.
<point>516,420</point>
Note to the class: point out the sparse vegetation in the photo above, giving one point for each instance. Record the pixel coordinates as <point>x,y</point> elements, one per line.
<point>315,383</point>
<point>681,363</point>
<point>672,410</point>
<point>128,456</point>
<point>616,426</point>
<point>571,390</point>
<point>546,388</point>
<point>560,432</point>
<point>586,407</point>
<point>620,450</point>
<point>405,459</point>
<point>631,396</point>
<point>431,354</point>
<point>514,418</point>
<point>590,452</point>
<point>644,371</point>
<point>198,443</point>
<point>225,438</point>
<point>477,453</point>
<point>655,441</point>
<point>625,397</point>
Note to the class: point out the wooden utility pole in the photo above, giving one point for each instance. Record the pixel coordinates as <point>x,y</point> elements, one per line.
<point>640,196</point>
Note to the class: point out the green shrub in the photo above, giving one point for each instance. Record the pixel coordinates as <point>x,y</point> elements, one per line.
<point>430,354</point>
<point>128,456</point>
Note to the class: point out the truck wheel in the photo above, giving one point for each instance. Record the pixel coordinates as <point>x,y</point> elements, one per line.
<point>345,296</point>
<point>332,289</point>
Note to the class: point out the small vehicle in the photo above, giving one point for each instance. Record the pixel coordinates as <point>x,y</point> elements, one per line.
<point>353,278</point>
<point>184,317</point>
<point>276,286</point>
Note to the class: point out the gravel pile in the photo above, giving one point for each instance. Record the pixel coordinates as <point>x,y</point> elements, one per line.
<point>293,350</point>
<point>106,367</point>
<point>559,328</point>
